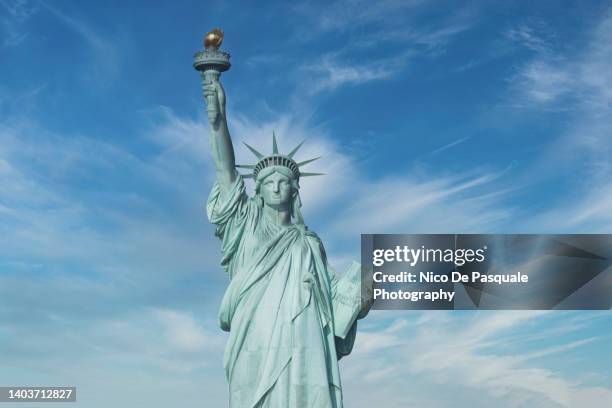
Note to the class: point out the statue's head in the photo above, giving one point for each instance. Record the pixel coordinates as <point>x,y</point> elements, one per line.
<point>277,179</point>
<point>277,187</point>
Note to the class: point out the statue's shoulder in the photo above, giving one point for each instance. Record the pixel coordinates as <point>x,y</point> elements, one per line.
<point>314,240</point>
<point>312,235</point>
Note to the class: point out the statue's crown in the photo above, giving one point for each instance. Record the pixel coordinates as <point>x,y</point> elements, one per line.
<point>277,159</point>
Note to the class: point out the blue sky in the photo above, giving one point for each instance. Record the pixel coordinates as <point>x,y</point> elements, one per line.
<point>490,117</point>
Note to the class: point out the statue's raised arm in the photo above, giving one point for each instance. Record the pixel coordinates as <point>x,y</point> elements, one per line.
<point>220,139</point>
<point>211,62</point>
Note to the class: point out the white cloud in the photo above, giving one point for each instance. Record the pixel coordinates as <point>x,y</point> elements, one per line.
<point>450,145</point>
<point>185,333</point>
<point>437,204</point>
<point>346,14</point>
<point>580,84</point>
<point>359,27</point>
<point>108,250</point>
<point>587,211</point>
<point>102,230</point>
<point>434,39</point>
<point>468,356</point>
<point>164,355</point>
<point>545,82</point>
<point>526,35</point>
<point>328,73</point>
<point>583,75</point>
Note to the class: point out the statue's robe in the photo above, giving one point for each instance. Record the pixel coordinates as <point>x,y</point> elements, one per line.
<point>282,350</point>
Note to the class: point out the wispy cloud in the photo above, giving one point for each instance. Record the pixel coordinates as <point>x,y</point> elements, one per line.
<point>436,204</point>
<point>101,240</point>
<point>468,355</point>
<point>329,73</point>
<point>20,10</point>
<point>450,145</point>
<point>544,82</point>
<point>529,37</point>
<point>186,334</point>
<point>353,65</point>
<point>13,20</point>
<point>360,27</point>
<point>426,40</point>
<point>580,84</point>
<point>161,350</point>
<point>553,74</point>
<point>348,14</point>
<point>103,51</point>
<point>588,210</point>
<point>79,206</point>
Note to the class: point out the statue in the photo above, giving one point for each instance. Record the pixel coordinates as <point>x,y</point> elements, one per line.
<point>290,318</point>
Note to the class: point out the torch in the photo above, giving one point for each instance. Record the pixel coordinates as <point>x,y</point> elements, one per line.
<point>211,62</point>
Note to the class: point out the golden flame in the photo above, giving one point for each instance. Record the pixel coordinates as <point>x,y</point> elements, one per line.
<point>214,38</point>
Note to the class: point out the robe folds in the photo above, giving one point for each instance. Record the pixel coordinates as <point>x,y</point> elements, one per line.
<point>282,350</point>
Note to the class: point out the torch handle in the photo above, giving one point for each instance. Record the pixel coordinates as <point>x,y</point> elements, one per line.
<point>212,101</point>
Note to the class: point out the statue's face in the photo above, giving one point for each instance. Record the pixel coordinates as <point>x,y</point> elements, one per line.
<point>275,190</point>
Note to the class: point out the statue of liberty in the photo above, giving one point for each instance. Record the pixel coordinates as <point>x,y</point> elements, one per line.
<point>290,318</point>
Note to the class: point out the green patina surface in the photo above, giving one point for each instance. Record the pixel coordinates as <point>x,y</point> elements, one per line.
<point>290,317</point>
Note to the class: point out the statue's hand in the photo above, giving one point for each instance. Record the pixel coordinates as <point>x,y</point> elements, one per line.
<point>215,100</point>
<point>367,295</point>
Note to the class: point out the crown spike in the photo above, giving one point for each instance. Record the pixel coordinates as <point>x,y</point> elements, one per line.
<point>274,144</point>
<point>311,174</point>
<point>305,162</point>
<point>246,166</point>
<point>255,152</point>
<point>290,154</point>
<point>248,176</point>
